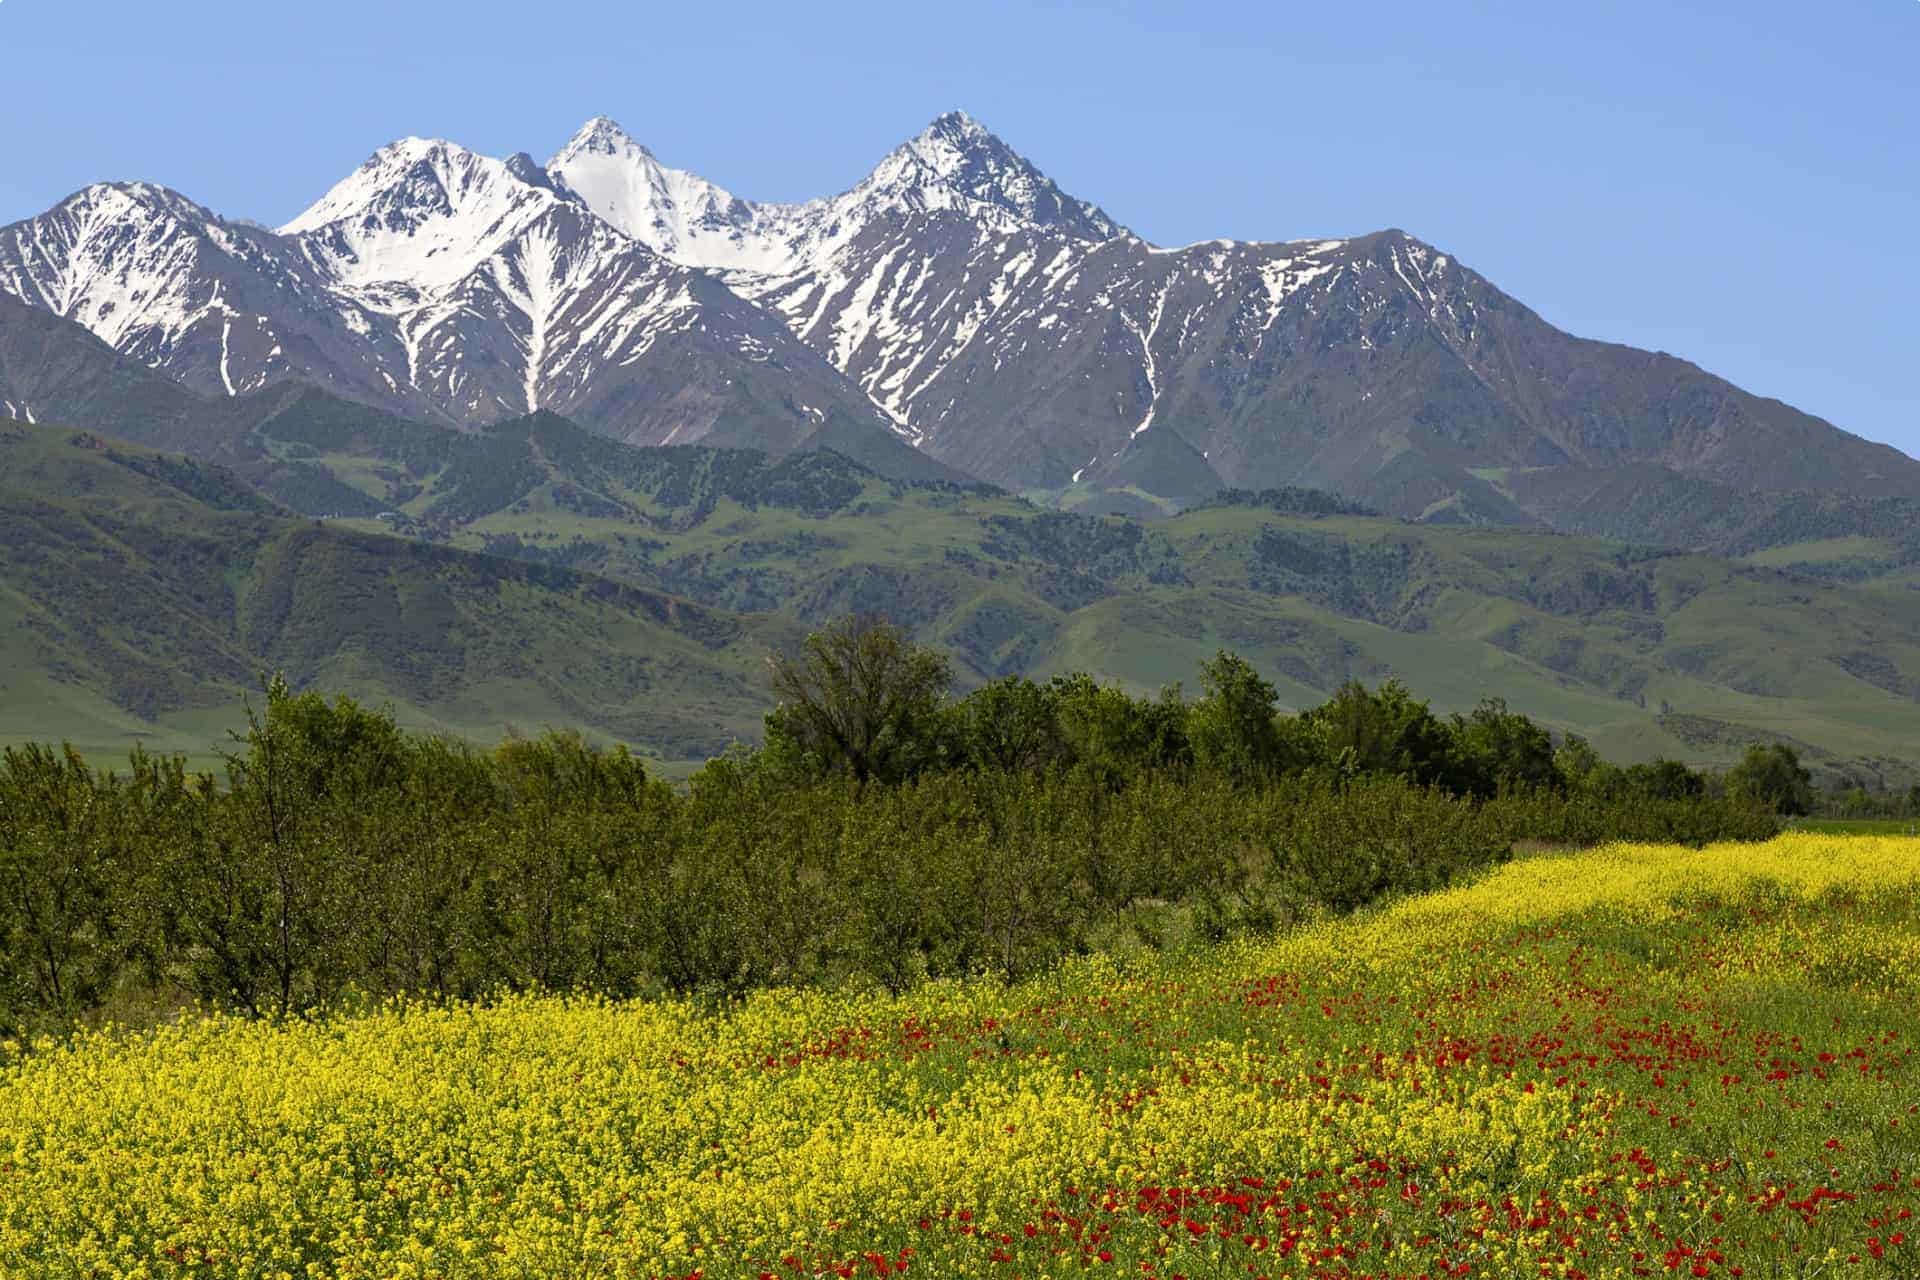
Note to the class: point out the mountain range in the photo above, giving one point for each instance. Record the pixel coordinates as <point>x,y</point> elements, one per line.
<point>955,304</point>
<point>577,443</point>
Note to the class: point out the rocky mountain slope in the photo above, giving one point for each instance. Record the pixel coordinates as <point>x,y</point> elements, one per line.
<point>54,371</point>
<point>1022,335</point>
<point>435,284</point>
<point>956,299</point>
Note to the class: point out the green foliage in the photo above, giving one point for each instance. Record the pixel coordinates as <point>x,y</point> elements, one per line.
<point>1577,763</point>
<point>1116,736</point>
<point>1772,776</point>
<point>1381,731</point>
<point>1587,817</point>
<point>1661,780</point>
<point>1310,503</point>
<point>1495,748</point>
<point>1010,725</point>
<point>861,699</point>
<point>1232,728</point>
<point>885,835</point>
<point>62,848</point>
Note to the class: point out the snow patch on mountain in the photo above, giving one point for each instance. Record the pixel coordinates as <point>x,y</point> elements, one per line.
<point>155,276</point>
<point>416,218</point>
<point>675,213</point>
<point>440,282</point>
<point>953,166</point>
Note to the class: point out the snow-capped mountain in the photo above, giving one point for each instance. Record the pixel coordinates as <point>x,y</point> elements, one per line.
<point>954,166</point>
<point>222,307</point>
<point>436,283</point>
<point>891,280</point>
<point>1022,335</point>
<point>677,214</point>
<point>955,298</point>
<point>507,294</point>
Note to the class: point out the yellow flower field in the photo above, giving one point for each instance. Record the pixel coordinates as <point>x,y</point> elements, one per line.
<point>1633,1061</point>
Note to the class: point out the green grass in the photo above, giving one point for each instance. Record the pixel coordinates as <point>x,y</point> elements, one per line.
<point>1646,653</point>
<point>1823,551</point>
<point>135,611</point>
<point>1858,826</point>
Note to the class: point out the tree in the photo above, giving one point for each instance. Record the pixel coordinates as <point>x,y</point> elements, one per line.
<point>575,825</point>
<point>1662,780</point>
<point>1579,764</point>
<point>860,698</point>
<point>1359,730</point>
<point>62,856</point>
<point>1118,736</point>
<point>1233,728</point>
<point>1495,747</point>
<point>265,898</point>
<point>1008,726</point>
<point>1772,776</point>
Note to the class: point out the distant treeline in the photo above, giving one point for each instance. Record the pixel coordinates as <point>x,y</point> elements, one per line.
<point>1846,800</point>
<point>886,832</point>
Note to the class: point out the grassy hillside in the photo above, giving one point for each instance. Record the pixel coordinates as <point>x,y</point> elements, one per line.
<point>498,603</point>
<point>1842,537</point>
<point>142,595</point>
<point>1650,652</point>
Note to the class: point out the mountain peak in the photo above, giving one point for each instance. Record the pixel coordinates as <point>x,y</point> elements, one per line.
<point>958,163</point>
<point>421,212</point>
<point>951,140</point>
<point>602,136</point>
<point>956,124</point>
<point>407,170</point>
<point>412,150</point>
<point>151,199</point>
<point>671,211</point>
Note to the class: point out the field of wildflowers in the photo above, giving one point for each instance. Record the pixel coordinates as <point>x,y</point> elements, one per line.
<point>1636,1061</point>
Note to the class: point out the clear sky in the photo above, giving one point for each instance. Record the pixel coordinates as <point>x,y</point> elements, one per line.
<point>1735,182</point>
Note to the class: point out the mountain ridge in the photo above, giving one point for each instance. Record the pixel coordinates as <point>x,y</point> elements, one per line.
<point>54,371</point>
<point>432,283</point>
<point>955,297</point>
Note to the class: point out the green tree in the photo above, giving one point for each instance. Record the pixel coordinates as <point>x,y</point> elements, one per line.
<point>427,841</point>
<point>1008,725</point>
<point>62,852</point>
<point>1495,747</point>
<point>1233,727</point>
<point>1361,731</point>
<point>578,830</point>
<point>860,699</point>
<point>1773,777</point>
<point>1579,765</point>
<point>1118,736</point>
<point>266,894</point>
<point>1662,780</point>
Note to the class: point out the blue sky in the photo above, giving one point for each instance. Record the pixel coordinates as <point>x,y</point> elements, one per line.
<point>1737,183</point>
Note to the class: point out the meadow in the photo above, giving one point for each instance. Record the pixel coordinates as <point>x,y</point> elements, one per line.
<point>1636,1060</point>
